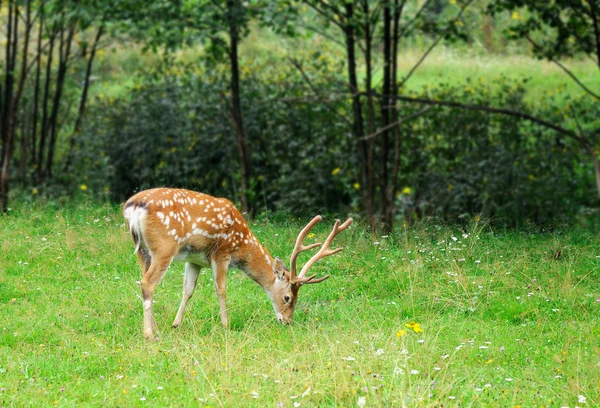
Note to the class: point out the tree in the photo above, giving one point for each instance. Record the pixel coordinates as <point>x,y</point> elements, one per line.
<point>559,29</point>
<point>368,26</point>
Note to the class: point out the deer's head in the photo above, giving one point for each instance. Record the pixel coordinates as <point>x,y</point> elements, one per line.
<point>284,292</point>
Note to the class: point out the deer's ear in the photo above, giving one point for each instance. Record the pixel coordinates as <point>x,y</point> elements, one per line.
<point>279,269</point>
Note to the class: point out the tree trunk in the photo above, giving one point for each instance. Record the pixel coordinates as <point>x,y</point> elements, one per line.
<point>358,126</point>
<point>371,127</point>
<point>385,108</point>
<point>64,53</point>
<point>233,9</point>
<point>389,213</point>
<point>36,90</point>
<point>46,97</point>
<point>83,100</point>
<point>9,77</point>
<point>14,103</point>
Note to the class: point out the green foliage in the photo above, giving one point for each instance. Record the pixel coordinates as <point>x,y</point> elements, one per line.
<point>465,163</point>
<point>562,28</point>
<point>172,129</point>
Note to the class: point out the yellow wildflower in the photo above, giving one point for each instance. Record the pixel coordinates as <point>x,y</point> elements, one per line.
<point>406,190</point>
<point>83,187</point>
<point>335,171</point>
<point>515,15</point>
<point>400,333</point>
<point>416,327</point>
<point>356,186</point>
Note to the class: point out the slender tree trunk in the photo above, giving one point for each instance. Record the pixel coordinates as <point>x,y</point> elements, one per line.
<point>391,187</point>
<point>45,99</point>
<point>385,107</point>
<point>64,53</point>
<point>14,103</point>
<point>36,90</point>
<point>233,10</point>
<point>371,127</point>
<point>83,100</point>
<point>9,77</point>
<point>358,126</point>
<point>596,23</point>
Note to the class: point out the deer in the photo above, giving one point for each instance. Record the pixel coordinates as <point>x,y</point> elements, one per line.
<point>168,224</point>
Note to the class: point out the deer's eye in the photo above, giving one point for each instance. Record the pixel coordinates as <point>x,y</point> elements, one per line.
<point>286,299</point>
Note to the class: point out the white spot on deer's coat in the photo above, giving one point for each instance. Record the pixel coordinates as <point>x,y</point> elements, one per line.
<point>160,215</point>
<point>166,221</point>
<point>268,260</point>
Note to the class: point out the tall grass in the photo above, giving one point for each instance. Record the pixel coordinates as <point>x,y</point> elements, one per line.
<point>507,318</point>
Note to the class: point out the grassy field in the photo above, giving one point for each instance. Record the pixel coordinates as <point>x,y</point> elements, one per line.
<point>430,316</point>
<point>455,65</point>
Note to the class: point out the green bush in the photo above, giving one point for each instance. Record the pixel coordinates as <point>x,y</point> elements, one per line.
<point>173,129</point>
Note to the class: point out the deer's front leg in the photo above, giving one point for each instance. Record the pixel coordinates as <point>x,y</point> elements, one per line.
<point>219,269</point>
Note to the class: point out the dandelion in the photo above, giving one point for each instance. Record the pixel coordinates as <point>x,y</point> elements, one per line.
<point>406,190</point>
<point>515,15</point>
<point>416,327</point>
<point>356,186</point>
<point>83,187</point>
<point>335,171</point>
<point>311,235</point>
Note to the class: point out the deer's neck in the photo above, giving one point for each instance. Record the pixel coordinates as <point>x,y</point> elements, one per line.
<point>256,262</point>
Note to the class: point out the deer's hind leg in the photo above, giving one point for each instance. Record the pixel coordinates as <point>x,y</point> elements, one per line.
<point>152,277</point>
<point>145,260</point>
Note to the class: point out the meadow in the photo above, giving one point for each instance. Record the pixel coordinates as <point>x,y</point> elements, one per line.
<point>431,315</point>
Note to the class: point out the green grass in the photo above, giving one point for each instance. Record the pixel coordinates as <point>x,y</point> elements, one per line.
<point>506,320</point>
<point>454,65</point>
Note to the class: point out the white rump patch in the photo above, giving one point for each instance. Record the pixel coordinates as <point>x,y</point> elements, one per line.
<point>136,217</point>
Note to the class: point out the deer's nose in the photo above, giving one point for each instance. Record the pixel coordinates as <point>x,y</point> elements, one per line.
<point>283,320</point>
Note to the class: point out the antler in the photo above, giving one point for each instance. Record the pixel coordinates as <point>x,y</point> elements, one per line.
<point>323,252</point>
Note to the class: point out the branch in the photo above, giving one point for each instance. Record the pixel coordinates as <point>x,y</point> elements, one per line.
<point>321,33</point>
<point>503,111</point>
<point>298,66</point>
<point>435,43</point>
<point>326,16</point>
<point>569,73</point>
<point>399,121</point>
<point>408,24</point>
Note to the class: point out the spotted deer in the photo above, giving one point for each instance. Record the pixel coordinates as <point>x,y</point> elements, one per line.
<point>181,225</point>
